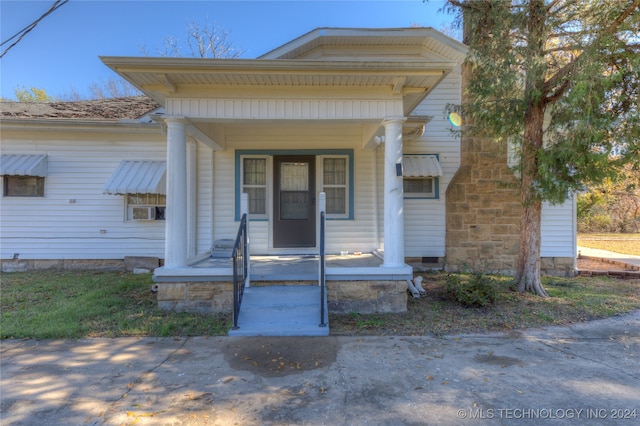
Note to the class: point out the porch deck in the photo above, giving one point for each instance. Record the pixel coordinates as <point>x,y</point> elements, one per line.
<point>292,267</point>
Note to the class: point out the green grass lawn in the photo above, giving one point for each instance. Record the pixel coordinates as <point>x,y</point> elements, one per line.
<point>618,243</point>
<point>46,305</point>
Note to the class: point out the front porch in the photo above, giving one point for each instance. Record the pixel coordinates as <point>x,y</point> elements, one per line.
<point>355,282</point>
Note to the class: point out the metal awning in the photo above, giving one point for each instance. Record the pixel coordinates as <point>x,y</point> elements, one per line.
<point>23,165</point>
<point>138,177</point>
<point>421,166</point>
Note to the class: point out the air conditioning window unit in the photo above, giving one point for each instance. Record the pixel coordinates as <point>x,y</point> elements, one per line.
<point>142,213</point>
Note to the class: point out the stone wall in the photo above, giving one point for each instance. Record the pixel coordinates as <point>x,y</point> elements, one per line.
<point>343,296</point>
<point>367,297</point>
<point>483,210</point>
<point>201,297</point>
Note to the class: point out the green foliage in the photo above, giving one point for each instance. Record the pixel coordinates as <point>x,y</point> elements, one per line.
<point>476,290</point>
<point>576,62</point>
<point>33,94</point>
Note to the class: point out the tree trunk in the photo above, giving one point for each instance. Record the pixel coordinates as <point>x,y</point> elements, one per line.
<point>528,272</point>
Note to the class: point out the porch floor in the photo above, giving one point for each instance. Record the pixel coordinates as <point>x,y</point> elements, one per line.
<point>281,311</point>
<point>292,267</point>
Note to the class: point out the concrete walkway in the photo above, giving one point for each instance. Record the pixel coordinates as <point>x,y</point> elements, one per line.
<point>582,374</point>
<point>628,259</point>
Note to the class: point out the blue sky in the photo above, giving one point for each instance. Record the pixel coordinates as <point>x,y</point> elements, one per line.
<point>62,52</point>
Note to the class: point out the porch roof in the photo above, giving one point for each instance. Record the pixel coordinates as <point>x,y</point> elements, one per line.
<point>162,78</point>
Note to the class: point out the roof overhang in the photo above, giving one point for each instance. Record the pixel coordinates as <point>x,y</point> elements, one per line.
<point>161,78</point>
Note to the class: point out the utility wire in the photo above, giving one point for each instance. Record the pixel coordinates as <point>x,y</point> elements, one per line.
<point>23,32</point>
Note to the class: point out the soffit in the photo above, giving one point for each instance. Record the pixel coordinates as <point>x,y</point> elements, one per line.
<point>161,78</point>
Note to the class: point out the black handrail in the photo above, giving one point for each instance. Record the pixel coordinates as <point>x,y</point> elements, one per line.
<point>322,270</point>
<point>240,268</point>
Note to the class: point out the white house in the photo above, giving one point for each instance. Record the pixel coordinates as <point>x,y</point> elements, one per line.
<point>355,114</point>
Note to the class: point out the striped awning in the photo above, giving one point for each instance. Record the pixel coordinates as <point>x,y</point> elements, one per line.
<point>421,166</point>
<point>137,177</point>
<point>23,165</point>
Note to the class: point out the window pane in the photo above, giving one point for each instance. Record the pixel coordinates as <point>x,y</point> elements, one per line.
<point>255,171</point>
<point>257,200</point>
<point>294,205</point>
<point>334,172</point>
<point>419,186</point>
<point>294,176</point>
<point>336,202</point>
<point>23,186</point>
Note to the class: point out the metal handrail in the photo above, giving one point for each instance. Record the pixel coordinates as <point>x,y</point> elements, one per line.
<point>322,269</point>
<point>240,268</point>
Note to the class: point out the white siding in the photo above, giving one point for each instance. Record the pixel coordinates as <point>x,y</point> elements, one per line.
<point>352,235</point>
<point>424,224</point>
<point>67,222</point>
<point>559,229</point>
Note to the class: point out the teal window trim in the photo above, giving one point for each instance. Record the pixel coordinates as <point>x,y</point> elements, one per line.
<point>273,152</point>
<point>436,183</point>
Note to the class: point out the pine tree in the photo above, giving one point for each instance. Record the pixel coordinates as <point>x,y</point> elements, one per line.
<point>560,79</point>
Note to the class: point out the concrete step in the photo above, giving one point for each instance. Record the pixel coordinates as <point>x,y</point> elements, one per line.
<point>281,311</point>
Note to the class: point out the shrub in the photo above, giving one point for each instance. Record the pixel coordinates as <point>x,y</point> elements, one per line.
<point>477,290</point>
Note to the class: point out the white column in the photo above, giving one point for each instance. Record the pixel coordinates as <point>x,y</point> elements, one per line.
<point>393,193</point>
<point>175,248</point>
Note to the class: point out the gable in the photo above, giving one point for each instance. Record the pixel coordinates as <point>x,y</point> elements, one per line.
<point>389,44</point>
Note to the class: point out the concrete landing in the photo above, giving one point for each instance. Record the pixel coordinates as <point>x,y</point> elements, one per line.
<point>281,311</point>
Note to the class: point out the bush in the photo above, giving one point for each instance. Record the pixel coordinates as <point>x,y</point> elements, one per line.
<point>477,290</point>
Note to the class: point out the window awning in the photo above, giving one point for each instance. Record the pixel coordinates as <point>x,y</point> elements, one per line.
<point>137,177</point>
<point>23,165</point>
<point>421,166</point>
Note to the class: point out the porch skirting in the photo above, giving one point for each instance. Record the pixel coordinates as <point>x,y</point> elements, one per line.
<point>343,296</point>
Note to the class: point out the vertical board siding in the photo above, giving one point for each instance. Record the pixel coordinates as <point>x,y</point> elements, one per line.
<point>66,223</point>
<point>279,109</point>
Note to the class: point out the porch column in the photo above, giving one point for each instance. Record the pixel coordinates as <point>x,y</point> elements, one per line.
<point>393,193</point>
<point>175,248</point>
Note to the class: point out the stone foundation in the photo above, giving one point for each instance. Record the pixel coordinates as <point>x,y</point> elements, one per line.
<point>343,296</point>
<point>128,264</point>
<point>24,265</point>
<point>367,297</point>
<point>201,297</point>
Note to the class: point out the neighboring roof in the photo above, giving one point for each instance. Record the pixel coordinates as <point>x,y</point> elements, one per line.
<point>421,166</point>
<point>127,108</point>
<point>23,165</point>
<point>137,177</point>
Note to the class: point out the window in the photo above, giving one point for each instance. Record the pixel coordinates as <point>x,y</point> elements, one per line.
<point>335,183</point>
<point>23,186</point>
<point>146,206</point>
<point>421,173</point>
<point>420,187</point>
<point>254,183</point>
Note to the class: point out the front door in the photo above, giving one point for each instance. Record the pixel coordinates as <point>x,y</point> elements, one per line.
<point>294,223</point>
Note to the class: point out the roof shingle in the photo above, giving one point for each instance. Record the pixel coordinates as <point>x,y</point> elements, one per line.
<point>109,108</point>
